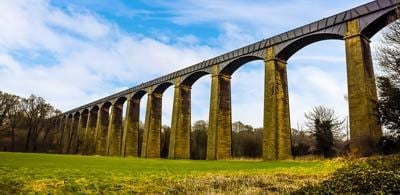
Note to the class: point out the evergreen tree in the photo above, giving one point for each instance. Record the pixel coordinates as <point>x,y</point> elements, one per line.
<point>325,127</point>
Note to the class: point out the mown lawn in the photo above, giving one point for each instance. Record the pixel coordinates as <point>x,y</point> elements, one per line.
<point>60,174</point>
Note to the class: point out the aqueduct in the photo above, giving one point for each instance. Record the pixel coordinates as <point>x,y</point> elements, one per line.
<point>97,127</point>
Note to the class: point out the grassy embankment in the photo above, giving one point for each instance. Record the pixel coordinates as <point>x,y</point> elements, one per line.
<point>49,173</point>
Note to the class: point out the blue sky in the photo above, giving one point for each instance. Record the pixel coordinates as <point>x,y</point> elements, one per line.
<point>72,52</point>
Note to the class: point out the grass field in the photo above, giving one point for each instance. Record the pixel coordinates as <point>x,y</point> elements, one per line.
<point>60,174</point>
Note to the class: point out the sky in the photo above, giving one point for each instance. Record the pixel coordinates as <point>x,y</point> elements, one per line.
<point>72,52</point>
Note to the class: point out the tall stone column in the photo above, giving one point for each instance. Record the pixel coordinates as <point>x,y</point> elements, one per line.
<point>66,134</point>
<point>101,131</point>
<point>220,122</point>
<point>81,143</point>
<point>179,146</point>
<point>114,138</point>
<point>61,129</point>
<point>91,132</point>
<point>130,139</point>
<point>68,138</point>
<point>277,132</point>
<point>74,135</point>
<point>365,129</point>
<point>152,128</point>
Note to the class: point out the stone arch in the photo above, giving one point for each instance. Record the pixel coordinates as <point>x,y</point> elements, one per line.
<point>115,128</point>
<point>91,129</point>
<point>120,100</point>
<point>132,135</point>
<point>380,21</point>
<point>138,95</point>
<point>85,111</point>
<point>192,78</point>
<point>73,133</point>
<point>102,128</point>
<point>159,89</point>
<point>302,42</point>
<point>179,145</point>
<point>77,114</point>
<point>95,108</point>
<point>232,66</point>
<point>105,105</point>
<point>81,134</point>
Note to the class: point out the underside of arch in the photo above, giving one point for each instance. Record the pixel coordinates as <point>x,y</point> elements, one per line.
<point>230,68</point>
<point>297,45</point>
<point>191,79</point>
<point>381,22</point>
<point>106,105</point>
<point>162,87</point>
<point>85,111</point>
<point>77,114</point>
<point>120,100</point>
<point>94,109</point>
<point>138,95</point>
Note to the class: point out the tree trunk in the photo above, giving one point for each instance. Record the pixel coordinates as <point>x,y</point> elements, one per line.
<point>13,139</point>
<point>28,138</point>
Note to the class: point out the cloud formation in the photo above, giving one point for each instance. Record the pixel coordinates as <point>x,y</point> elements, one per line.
<point>73,55</point>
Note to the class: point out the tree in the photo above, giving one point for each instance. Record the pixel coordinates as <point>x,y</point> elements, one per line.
<point>51,129</point>
<point>198,140</point>
<point>389,82</point>
<point>7,102</point>
<point>36,112</point>
<point>15,118</point>
<point>302,141</point>
<point>325,127</point>
<point>10,115</point>
<point>164,145</point>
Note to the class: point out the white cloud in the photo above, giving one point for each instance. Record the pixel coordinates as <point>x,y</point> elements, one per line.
<point>93,57</point>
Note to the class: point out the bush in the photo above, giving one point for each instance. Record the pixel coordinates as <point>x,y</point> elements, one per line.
<point>389,145</point>
<point>377,175</point>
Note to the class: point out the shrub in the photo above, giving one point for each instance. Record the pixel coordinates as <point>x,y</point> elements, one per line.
<point>389,145</point>
<point>377,175</point>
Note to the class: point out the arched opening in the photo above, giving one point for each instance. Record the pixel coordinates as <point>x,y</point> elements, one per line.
<point>297,45</point>
<point>91,130</point>
<point>73,141</point>
<point>66,133</point>
<point>81,143</point>
<point>230,68</point>
<point>102,128</point>
<point>154,143</point>
<point>247,95</point>
<point>198,85</point>
<point>133,125</point>
<point>381,22</point>
<point>317,76</point>
<point>167,93</point>
<point>115,128</point>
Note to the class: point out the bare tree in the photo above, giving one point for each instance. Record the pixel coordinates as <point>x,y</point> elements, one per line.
<point>36,112</point>
<point>9,114</point>
<point>198,140</point>
<point>325,127</point>
<point>7,101</point>
<point>389,82</point>
<point>51,128</point>
<point>15,118</point>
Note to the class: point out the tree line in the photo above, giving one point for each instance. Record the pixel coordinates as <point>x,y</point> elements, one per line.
<point>27,124</point>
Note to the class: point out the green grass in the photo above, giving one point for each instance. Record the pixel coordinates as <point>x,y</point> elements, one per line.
<point>60,174</point>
